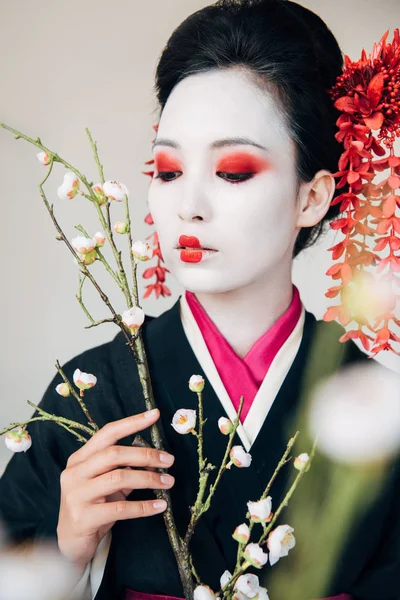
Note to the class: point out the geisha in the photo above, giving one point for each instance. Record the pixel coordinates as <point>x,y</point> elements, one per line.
<point>243,163</point>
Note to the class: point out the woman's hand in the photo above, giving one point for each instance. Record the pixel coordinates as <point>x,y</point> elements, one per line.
<point>94,489</point>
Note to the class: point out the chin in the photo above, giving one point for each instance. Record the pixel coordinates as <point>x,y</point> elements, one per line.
<point>204,283</point>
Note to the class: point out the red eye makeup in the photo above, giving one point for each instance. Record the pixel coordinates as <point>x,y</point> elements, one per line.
<point>242,162</point>
<point>164,162</point>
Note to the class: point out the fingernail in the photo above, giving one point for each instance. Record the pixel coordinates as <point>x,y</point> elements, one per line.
<point>150,413</point>
<point>167,479</point>
<point>160,504</point>
<point>166,458</point>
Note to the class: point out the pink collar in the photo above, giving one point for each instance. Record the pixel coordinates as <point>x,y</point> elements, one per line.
<point>244,376</point>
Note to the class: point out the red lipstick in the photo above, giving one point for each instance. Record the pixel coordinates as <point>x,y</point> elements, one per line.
<point>192,251</point>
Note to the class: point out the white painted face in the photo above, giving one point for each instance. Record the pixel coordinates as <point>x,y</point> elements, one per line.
<point>251,223</point>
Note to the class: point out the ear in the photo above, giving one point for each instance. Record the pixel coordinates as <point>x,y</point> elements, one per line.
<point>315,198</point>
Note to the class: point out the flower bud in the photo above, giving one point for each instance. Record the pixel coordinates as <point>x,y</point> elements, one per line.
<point>142,251</point>
<point>44,158</point>
<point>18,440</point>
<point>63,389</point>
<point>302,462</point>
<point>241,534</point>
<point>121,227</point>
<point>133,318</point>
<point>225,578</point>
<point>83,245</point>
<point>196,383</point>
<point>100,195</point>
<point>70,187</point>
<point>114,190</point>
<point>84,381</point>
<point>87,259</point>
<point>239,457</point>
<point>225,425</point>
<point>260,512</point>
<point>254,554</point>
<point>99,238</point>
<point>184,420</point>
<point>203,592</point>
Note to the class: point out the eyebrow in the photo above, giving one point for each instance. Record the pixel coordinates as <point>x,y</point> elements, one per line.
<point>217,144</point>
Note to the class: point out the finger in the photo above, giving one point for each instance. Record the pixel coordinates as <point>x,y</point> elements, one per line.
<point>122,456</point>
<point>114,481</point>
<point>109,512</point>
<point>112,432</point>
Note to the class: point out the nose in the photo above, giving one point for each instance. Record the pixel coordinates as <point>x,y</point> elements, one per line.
<point>194,205</point>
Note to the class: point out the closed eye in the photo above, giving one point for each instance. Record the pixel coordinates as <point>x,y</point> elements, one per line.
<point>235,177</point>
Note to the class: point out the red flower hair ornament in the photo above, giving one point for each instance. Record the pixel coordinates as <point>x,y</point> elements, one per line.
<point>368,95</point>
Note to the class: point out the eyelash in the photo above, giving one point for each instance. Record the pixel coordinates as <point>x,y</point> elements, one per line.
<point>242,176</point>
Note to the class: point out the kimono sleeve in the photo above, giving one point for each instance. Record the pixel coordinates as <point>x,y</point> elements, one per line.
<point>30,486</point>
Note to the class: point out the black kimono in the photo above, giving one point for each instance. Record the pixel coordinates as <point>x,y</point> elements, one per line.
<point>140,557</point>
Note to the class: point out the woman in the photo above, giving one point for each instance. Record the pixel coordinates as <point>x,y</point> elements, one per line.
<point>244,157</point>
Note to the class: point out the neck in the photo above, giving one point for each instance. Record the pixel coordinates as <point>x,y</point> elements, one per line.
<point>244,314</point>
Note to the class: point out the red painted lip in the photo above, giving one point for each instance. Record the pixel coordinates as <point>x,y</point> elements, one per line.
<point>190,241</point>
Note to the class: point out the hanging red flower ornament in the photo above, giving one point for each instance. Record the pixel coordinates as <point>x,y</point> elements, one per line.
<point>368,94</point>
<point>159,287</point>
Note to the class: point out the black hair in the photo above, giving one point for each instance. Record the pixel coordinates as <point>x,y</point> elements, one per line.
<point>287,49</point>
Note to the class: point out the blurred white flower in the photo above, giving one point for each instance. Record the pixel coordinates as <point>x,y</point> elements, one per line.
<point>241,533</point>
<point>18,440</point>
<point>83,245</point>
<point>239,457</point>
<point>196,383</point>
<point>142,251</point>
<point>279,542</point>
<point>356,414</point>
<point>247,584</point>
<point>84,381</point>
<point>37,572</point>
<point>121,227</point>
<point>114,190</point>
<point>44,158</point>
<point>254,554</point>
<point>302,462</point>
<point>100,195</point>
<point>203,592</point>
<point>69,188</point>
<point>99,238</point>
<point>225,425</point>
<point>225,577</point>
<point>184,420</point>
<point>63,389</point>
<point>260,512</point>
<point>133,318</point>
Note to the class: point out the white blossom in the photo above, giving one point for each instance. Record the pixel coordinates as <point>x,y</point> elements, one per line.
<point>260,511</point>
<point>133,318</point>
<point>63,389</point>
<point>203,592</point>
<point>225,425</point>
<point>99,238</point>
<point>225,578</point>
<point>69,188</point>
<point>44,158</point>
<point>247,584</point>
<point>83,245</point>
<point>142,251</point>
<point>255,555</point>
<point>18,440</point>
<point>279,542</point>
<point>302,462</point>
<point>84,381</point>
<point>100,195</point>
<point>196,383</point>
<point>242,533</point>
<point>239,457</point>
<point>115,190</point>
<point>356,414</point>
<point>184,420</point>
